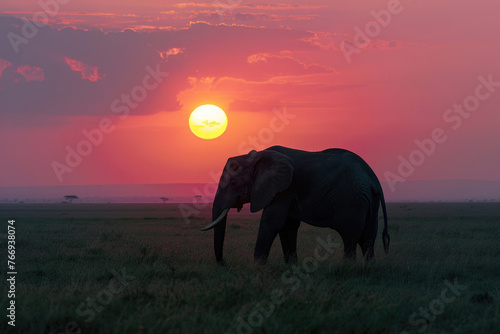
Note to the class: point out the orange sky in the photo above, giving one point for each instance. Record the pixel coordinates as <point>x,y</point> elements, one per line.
<point>259,63</point>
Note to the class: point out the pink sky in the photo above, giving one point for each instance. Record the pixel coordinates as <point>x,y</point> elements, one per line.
<point>250,59</point>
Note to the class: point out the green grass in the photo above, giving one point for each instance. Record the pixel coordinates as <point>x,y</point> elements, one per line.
<point>67,253</point>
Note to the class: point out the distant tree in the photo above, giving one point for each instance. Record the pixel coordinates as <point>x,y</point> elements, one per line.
<point>164,199</point>
<point>70,198</point>
<point>198,198</point>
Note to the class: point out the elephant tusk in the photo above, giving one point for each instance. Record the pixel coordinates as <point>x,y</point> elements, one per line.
<point>217,221</point>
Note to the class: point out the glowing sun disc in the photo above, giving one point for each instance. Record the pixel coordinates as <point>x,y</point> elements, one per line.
<point>208,121</point>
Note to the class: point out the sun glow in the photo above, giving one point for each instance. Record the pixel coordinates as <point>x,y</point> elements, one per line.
<point>208,121</point>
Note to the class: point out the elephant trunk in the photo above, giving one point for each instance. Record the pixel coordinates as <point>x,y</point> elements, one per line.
<point>220,215</point>
<point>219,234</point>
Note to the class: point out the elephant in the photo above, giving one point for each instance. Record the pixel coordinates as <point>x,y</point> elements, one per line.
<point>333,188</point>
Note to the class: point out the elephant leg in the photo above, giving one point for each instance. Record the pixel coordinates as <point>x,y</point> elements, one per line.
<point>353,221</point>
<point>367,248</point>
<point>367,240</point>
<point>349,249</point>
<point>288,237</point>
<point>350,240</point>
<point>265,239</point>
<point>350,237</point>
<point>272,221</point>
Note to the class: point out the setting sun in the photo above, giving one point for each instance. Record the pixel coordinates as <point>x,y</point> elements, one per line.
<point>208,121</point>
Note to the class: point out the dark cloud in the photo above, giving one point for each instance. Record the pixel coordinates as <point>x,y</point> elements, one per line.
<point>251,105</point>
<point>103,66</point>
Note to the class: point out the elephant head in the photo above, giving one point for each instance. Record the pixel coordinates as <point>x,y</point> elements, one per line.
<point>252,178</point>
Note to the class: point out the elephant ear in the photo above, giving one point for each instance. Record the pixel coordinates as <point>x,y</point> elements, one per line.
<point>273,173</point>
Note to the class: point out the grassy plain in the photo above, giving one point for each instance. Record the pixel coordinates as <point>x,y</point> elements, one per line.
<point>140,268</point>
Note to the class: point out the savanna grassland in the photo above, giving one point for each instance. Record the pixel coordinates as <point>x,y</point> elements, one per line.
<point>141,268</point>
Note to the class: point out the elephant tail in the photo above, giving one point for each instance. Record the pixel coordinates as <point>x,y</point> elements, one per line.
<point>385,234</point>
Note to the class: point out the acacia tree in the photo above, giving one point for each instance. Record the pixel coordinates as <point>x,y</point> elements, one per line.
<point>70,198</point>
<point>164,199</point>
